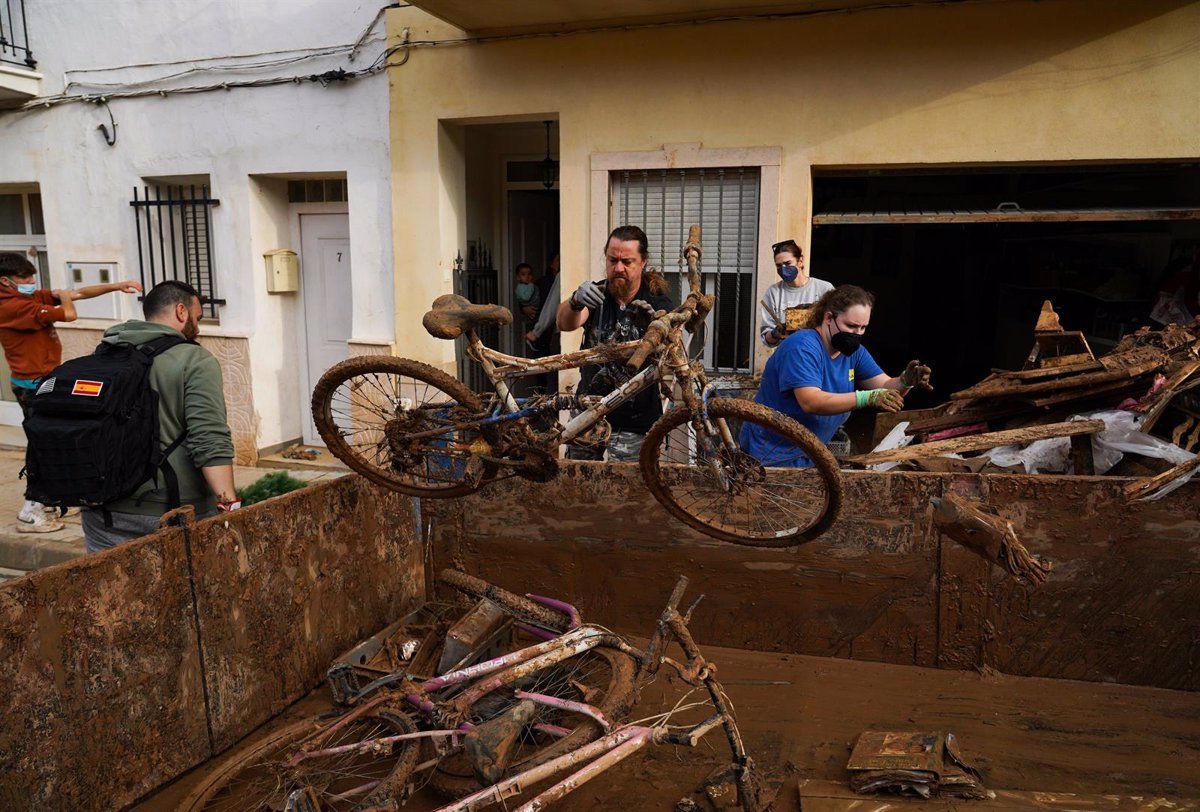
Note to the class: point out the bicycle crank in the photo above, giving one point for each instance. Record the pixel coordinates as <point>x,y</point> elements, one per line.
<point>529,461</point>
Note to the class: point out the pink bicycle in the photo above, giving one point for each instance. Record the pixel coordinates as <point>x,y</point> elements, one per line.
<point>485,732</point>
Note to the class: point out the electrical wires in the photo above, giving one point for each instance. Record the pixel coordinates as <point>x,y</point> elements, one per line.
<point>102,92</point>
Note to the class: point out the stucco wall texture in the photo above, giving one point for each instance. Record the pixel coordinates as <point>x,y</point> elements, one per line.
<point>1011,82</point>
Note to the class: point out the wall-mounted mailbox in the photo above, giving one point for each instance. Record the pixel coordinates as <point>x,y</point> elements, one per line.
<point>283,271</point>
<point>85,274</point>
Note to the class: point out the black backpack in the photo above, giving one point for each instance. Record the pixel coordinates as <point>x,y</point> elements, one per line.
<point>93,429</point>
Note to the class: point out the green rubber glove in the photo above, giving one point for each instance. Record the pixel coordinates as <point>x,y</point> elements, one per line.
<point>888,400</point>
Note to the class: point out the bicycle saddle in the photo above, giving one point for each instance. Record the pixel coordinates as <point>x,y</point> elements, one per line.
<point>452,315</point>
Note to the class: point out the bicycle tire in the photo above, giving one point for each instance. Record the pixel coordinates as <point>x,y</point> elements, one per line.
<point>255,779</point>
<point>362,394</point>
<point>518,607</point>
<point>758,510</point>
<point>454,778</point>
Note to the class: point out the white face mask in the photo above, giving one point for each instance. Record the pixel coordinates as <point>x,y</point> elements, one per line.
<point>27,289</point>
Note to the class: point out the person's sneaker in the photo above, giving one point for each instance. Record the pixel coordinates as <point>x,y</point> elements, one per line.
<point>53,512</point>
<point>40,523</point>
<point>27,515</point>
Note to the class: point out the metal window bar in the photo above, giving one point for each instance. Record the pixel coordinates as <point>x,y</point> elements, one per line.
<point>14,35</point>
<point>480,287</point>
<point>174,237</point>
<point>725,201</point>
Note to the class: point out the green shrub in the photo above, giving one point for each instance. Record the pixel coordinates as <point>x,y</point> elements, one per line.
<point>275,483</point>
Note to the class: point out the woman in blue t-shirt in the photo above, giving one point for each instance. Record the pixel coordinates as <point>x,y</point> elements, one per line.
<point>819,375</point>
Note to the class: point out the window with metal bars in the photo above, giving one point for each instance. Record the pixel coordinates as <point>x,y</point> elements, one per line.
<point>725,202</point>
<point>174,233</point>
<point>14,35</point>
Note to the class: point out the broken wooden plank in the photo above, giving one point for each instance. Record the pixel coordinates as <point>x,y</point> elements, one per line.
<point>967,417</point>
<point>1089,392</point>
<point>1138,356</point>
<point>1048,321</point>
<point>1016,388</point>
<point>1082,461</point>
<point>988,536</point>
<point>980,442</point>
<point>1037,373</point>
<point>1142,488</point>
<point>1059,361</point>
<point>1157,404</point>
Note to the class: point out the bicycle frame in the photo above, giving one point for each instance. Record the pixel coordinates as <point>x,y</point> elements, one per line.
<point>598,756</point>
<point>607,751</point>
<point>500,367</point>
<point>489,676</point>
<point>616,746</point>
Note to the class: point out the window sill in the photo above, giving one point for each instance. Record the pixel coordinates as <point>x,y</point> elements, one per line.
<point>206,330</point>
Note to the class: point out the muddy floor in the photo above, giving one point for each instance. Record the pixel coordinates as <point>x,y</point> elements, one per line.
<point>800,716</point>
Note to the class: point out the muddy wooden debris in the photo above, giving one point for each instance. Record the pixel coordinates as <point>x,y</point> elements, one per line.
<point>1150,372</point>
<point>980,442</point>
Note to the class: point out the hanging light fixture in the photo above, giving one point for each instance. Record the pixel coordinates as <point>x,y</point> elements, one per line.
<point>549,165</point>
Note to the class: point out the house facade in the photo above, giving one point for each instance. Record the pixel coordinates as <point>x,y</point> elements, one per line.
<point>190,142</point>
<point>1064,134</point>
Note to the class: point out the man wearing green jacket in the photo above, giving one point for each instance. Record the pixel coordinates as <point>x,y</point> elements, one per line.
<point>187,379</point>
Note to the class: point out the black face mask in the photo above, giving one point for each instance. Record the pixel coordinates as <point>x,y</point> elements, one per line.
<point>843,342</point>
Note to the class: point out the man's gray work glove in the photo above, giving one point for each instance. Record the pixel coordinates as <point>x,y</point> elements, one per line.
<point>589,295</point>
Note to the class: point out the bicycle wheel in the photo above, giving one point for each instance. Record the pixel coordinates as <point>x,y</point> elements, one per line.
<point>366,409</point>
<point>259,779</point>
<point>518,607</point>
<point>732,496</point>
<point>601,677</point>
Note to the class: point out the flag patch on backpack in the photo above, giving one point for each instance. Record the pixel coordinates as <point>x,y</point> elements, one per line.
<point>93,437</point>
<point>90,389</point>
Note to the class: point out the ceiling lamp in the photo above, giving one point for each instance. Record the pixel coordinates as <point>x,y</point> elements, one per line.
<point>548,165</point>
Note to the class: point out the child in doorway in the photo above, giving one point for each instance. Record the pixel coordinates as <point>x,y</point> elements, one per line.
<point>529,298</point>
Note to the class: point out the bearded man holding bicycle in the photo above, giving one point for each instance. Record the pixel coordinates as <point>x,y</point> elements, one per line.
<point>603,310</point>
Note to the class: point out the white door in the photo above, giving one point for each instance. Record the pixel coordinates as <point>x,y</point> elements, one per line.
<point>325,286</point>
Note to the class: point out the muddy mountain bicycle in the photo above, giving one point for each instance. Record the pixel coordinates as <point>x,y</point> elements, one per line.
<point>491,731</point>
<point>412,428</point>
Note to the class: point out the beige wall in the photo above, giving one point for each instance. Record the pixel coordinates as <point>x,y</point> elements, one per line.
<point>232,352</point>
<point>1005,82</point>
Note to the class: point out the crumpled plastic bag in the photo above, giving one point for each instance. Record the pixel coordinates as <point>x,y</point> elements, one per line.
<point>1121,436</point>
<point>896,438</point>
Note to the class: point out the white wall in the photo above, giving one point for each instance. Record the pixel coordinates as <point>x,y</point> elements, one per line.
<point>288,129</point>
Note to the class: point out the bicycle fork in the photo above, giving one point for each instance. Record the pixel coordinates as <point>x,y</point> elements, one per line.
<point>708,433</point>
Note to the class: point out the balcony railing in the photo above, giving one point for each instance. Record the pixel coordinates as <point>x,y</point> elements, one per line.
<point>14,35</point>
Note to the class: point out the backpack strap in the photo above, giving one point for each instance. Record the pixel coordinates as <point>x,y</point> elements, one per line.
<point>151,349</point>
<point>160,345</point>
<point>169,475</point>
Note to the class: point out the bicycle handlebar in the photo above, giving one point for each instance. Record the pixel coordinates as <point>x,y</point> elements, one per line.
<point>650,342</point>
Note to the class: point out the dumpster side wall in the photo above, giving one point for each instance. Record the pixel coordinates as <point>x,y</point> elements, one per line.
<point>881,585</point>
<point>122,670</point>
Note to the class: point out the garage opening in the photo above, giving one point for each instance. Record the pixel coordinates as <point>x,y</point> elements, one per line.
<point>961,259</point>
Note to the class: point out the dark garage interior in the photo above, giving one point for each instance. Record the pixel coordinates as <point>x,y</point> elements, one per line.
<point>960,260</point>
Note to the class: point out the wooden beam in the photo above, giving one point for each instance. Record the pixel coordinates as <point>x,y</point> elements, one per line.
<point>980,442</point>
<point>1142,488</point>
<point>972,414</point>
<point>1046,372</point>
<point>1000,388</point>
<point>1007,216</point>
<point>1158,403</point>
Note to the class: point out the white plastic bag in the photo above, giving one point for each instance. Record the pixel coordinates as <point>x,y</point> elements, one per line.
<point>896,438</point>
